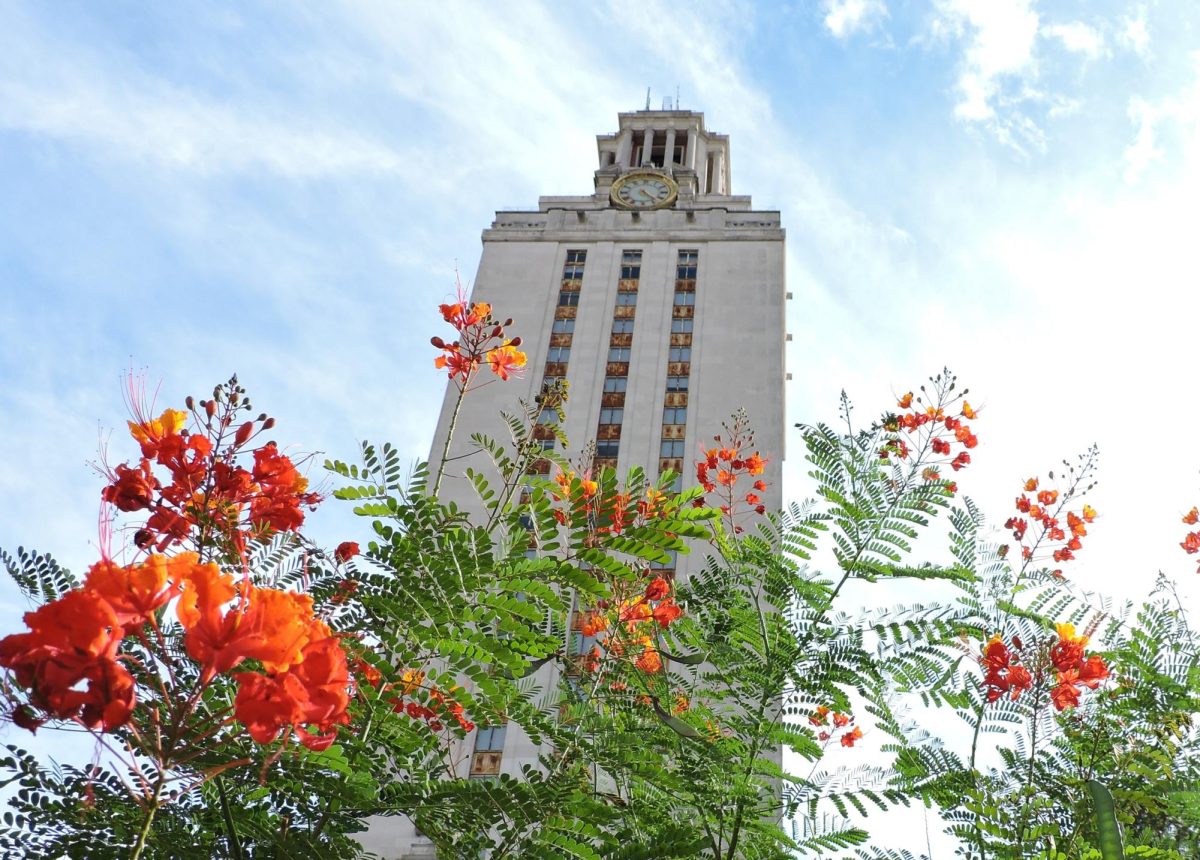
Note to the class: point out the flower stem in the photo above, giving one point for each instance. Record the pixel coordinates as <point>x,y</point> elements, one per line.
<point>235,846</point>
<point>140,845</point>
<point>462,393</point>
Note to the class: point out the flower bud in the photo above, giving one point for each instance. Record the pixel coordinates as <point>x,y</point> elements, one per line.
<point>262,416</point>
<point>507,322</point>
<point>243,433</point>
<point>268,424</point>
<point>516,341</point>
<point>210,408</point>
<point>190,402</point>
<point>437,341</point>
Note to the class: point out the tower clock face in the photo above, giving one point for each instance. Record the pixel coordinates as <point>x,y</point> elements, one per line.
<point>644,191</point>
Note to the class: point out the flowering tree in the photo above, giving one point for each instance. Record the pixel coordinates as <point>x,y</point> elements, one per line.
<point>252,694</point>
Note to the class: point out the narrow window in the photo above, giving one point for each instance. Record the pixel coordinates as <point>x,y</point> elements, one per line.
<point>616,384</point>
<point>611,415</point>
<point>607,449</point>
<point>675,415</point>
<point>619,353</point>
<point>685,270</point>
<point>568,326</point>
<point>622,326</point>
<point>631,265</point>
<point>626,299</point>
<point>569,299</point>
<point>672,448</point>
<point>679,353</point>
<point>677,384</point>
<point>682,300</point>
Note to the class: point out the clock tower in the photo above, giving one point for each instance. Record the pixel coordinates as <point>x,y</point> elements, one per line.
<point>660,300</point>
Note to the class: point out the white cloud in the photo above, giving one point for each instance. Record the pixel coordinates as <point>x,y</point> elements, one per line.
<point>1078,38</point>
<point>1134,34</point>
<point>1000,36</point>
<point>1177,115</point>
<point>844,18</point>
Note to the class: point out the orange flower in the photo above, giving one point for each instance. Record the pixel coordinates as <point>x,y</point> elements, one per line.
<point>505,359</point>
<point>840,720</point>
<point>1066,694</point>
<point>1089,513</point>
<point>1191,543</point>
<point>849,738</point>
<point>593,623</point>
<point>1031,485</point>
<point>968,412</point>
<point>650,662</point>
<point>1048,497</point>
<point>345,551</point>
<point>150,434</point>
<point>818,717</point>
<point>905,401</point>
<point>755,464</point>
<point>1192,517</point>
<point>134,592</point>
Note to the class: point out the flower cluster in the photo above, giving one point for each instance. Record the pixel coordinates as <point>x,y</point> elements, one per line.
<point>933,433</point>
<point>480,340</point>
<point>1067,657</point>
<point>77,638</point>
<point>204,488</point>
<point>822,716</point>
<point>1003,673</point>
<point>605,514</point>
<point>1046,509</point>
<point>1191,543</point>
<point>1060,664</point>
<point>721,467</point>
<point>636,621</point>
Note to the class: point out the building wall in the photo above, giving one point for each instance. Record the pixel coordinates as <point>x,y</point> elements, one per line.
<point>737,357</point>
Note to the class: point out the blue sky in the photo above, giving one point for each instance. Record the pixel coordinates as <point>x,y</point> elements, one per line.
<point>284,190</point>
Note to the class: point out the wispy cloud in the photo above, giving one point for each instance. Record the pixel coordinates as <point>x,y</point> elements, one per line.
<point>1078,37</point>
<point>844,18</point>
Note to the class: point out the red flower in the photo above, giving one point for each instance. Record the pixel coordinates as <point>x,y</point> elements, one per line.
<point>1192,517</point>
<point>657,589</point>
<point>133,489</point>
<point>818,717</point>
<point>840,720</point>
<point>345,551</point>
<point>849,738</point>
<point>1066,694</point>
<point>1191,543</point>
<point>666,612</point>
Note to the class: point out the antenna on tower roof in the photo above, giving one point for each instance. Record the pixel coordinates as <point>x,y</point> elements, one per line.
<point>677,107</point>
<point>647,98</point>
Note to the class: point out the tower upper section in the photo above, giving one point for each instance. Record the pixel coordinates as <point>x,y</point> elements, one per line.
<point>673,142</point>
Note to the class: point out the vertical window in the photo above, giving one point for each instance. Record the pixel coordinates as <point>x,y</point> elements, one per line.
<point>631,265</point>
<point>607,449</point>
<point>679,353</point>
<point>671,448</point>
<point>623,326</point>
<point>679,325</point>
<point>626,298</point>
<point>685,270</point>
<point>677,384</point>
<point>675,415</point>
<point>611,415</point>
<point>569,299</point>
<point>573,269</point>
<point>619,353</point>
<point>616,384</point>
<point>681,300</point>
<point>562,354</point>
<point>491,738</point>
<point>568,326</point>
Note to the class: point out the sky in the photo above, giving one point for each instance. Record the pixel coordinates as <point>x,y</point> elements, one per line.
<point>285,191</point>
